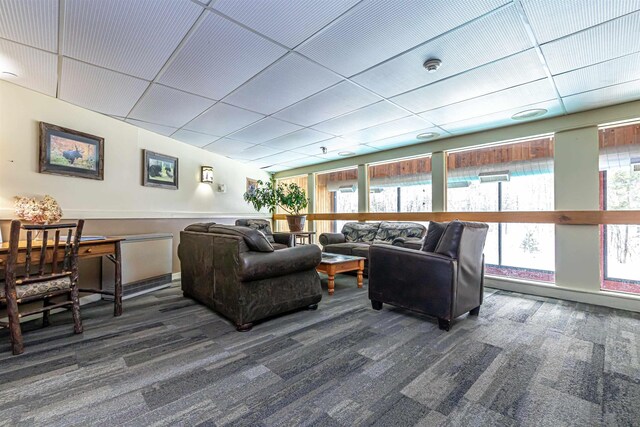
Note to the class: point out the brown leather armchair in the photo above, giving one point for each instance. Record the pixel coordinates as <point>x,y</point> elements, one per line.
<point>236,272</point>
<point>444,282</point>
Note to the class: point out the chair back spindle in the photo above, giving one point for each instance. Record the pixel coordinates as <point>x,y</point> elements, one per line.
<point>54,257</point>
<point>27,265</point>
<point>43,252</point>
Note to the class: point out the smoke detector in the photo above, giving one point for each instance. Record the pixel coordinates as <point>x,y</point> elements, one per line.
<point>432,65</point>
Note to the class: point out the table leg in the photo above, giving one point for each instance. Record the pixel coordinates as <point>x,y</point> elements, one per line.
<point>117,291</point>
<point>360,273</point>
<point>331,274</point>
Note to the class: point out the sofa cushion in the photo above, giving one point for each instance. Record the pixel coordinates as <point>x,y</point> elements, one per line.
<point>362,251</point>
<point>262,226</point>
<point>255,240</point>
<point>278,246</point>
<point>434,233</point>
<point>201,227</point>
<point>360,231</point>
<point>391,230</point>
<point>450,241</point>
<point>344,248</point>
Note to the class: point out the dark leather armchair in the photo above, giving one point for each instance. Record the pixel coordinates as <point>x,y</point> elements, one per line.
<point>236,272</point>
<point>444,282</point>
<point>277,240</point>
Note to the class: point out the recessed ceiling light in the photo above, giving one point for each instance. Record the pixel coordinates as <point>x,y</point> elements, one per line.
<point>427,135</point>
<point>346,153</point>
<point>9,74</point>
<point>529,114</point>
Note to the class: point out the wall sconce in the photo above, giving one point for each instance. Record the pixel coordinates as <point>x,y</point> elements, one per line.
<point>206,174</point>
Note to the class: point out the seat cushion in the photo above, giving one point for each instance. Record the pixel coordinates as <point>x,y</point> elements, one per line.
<point>362,251</point>
<point>388,231</point>
<point>262,226</point>
<point>344,248</point>
<point>434,234</point>
<point>278,246</point>
<point>360,231</point>
<point>40,288</point>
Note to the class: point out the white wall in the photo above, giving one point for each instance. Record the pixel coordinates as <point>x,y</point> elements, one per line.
<point>121,194</point>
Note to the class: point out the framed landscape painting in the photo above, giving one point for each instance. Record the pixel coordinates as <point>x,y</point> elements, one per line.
<point>252,184</point>
<point>69,152</point>
<point>159,170</point>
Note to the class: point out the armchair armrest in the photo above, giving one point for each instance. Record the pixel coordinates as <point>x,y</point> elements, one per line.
<point>332,238</point>
<point>283,238</point>
<point>264,265</point>
<point>408,242</point>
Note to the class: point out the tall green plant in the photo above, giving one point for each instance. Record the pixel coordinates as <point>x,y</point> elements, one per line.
<point>290,197</point>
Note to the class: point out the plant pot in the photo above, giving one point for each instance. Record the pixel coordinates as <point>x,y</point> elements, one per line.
<point>296,222</point>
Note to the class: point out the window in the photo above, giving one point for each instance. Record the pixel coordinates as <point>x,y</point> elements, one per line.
<point>401,186</point>
<point>336,192</point>
<point>508,177</point>
<point>301,180</point>
<point>620,190</point>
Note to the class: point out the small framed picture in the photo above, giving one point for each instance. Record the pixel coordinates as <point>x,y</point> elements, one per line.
<point>252,184</point>
<point>69,152</point>
<point>159,170</point>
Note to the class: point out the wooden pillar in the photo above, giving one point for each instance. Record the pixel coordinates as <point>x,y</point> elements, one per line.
<point>439,181</point>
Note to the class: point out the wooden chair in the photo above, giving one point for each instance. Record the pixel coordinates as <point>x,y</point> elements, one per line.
<point>47,283</point>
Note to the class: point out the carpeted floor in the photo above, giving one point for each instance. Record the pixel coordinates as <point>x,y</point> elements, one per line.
<point>524,361</point>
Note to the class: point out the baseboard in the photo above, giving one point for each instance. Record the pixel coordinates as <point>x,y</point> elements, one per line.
<point>176,276</point>
<point>602,298</point>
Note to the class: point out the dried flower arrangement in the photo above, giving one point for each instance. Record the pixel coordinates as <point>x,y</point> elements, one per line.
<point>45,211</point>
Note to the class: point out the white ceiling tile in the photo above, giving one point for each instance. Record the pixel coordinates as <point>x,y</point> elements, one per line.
<point>375,30</point>
<point>285,21</point>
<point>305,161</point>
<point>285,156</point>
<point>530,93</point>
<point>552,19</point>
<point>616,71</point>
<point>171,107</point>
<point>33,22</point>
<point>508,72</point>
<point>159,129</point>
<point>297,139</point>
<point>331,144</point>
<point>218,57</point>
<point>222,119</point>
<point>389,129</point>
<point>501,118</point>
<point>406,139</point>
<point>194,138</point>
<point>264,130</point>
<point>98,89</point>
<point>287,81</point>
<point>226,147</point>
<point>132,37</point>
<point>611,95</point>
<point>492,37</point>
<point>254,153</point>
<point>339,99</point>
<point>35,69</point>
<point>606,41</point>
<point>380,112</point>
<point>275,168</point>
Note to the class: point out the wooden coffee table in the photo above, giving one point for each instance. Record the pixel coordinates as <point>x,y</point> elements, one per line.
<point>332,264</point>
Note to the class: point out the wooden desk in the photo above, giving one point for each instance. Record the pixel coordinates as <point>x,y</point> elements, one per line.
<point>109,247</point>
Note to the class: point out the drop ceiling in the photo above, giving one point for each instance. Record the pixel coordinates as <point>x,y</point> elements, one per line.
<point>271,83</point>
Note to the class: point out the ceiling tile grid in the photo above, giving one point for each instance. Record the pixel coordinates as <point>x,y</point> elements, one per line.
<point>297,139</point>
<point>616,71</point>
<point>287,81</point>
<point>409,138</point>
<point>552,19</point>
<point>331,144</point>
<point>99,89</point>
<point>254,153</point>
<point>375,30</point>
<point>487,39</point>
<point>365,117</point>
<point>616,94</point>
<point>168,106</point>
<point>530,93</point>
<point>35,69</point>
<point>34,23</point>
<point>285,21</point>
<point>264,130</point>
<point>339,99</point>
<point>227,147</point>
<point>159,129</point>
<point>132,37</point>
<point>606,41</point>
<point>222,119</point>
<point>389,129</point>
<point>218,57</point>
<point>194,138</point>
<point>508,72</point>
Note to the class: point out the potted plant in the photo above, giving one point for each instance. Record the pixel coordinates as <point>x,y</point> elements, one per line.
<point>290,197</point>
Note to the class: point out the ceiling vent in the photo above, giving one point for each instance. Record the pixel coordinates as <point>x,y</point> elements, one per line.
<point>347,188</point>
<point>501,176</point>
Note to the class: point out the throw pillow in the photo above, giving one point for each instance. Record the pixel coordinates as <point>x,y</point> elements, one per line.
<point>263,227</point>
<point>434,233</point>
<point>449,243</point>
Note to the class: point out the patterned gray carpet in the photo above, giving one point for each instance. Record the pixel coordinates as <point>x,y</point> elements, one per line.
<point>524,361</point>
